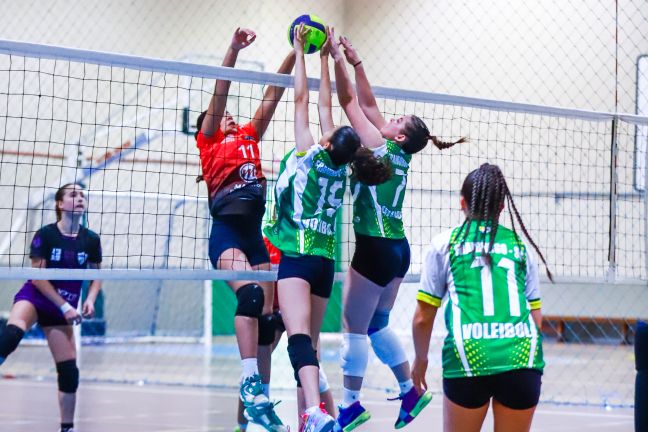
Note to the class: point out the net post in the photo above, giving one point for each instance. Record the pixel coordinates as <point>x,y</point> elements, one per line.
<point>614,194</point>
<point>207,316</point>
<point>645,199</point>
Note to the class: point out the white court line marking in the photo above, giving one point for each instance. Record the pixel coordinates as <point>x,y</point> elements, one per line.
<point>584,414</point>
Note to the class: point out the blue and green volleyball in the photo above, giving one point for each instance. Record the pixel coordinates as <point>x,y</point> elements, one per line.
<point>315,37</point>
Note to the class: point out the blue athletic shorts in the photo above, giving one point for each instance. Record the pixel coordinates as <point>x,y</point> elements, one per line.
<point>517,389</point>
<point>381,260</point>
<point>241,232</point>
<point>316,270</point>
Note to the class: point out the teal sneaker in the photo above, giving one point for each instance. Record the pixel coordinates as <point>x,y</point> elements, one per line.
<point>251,391</point>
<point>264,415</point>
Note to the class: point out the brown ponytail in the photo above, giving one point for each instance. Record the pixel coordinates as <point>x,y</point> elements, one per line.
<point>368,169</point>
<point>442,145</point>
<point>418,135</point>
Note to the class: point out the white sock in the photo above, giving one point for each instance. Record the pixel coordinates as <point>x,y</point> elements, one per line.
<point>350,397</point>
<point>250,367</point>
<point>406,386</point>
<point>266,390</point>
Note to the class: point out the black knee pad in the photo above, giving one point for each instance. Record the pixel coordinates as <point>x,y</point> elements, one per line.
<point>9,340</point>
<point>267,327</point>
<point>68,376</point>
<point>250,300</point>
<point>301,353</point>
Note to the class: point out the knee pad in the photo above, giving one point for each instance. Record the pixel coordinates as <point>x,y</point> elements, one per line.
<point>387,347</point>
<point>379,321</point>
<point>301,353</point>
<point>354,354</point>
<point>68,376</point>
<point>250,300</point>
<point>267,327</point>
<point>323,382</point>
<point>9,340</point>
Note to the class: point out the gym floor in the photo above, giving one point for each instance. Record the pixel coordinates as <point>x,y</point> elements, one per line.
<point>29,405</point>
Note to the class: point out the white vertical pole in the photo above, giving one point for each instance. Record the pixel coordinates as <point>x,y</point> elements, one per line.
<point>207,320</point>
<point>614,193</point>
<point>76,329</point>
<point>645,190</point>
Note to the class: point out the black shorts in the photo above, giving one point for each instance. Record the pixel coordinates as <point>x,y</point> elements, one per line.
<point>517,389</point>
<point>318,271</point>
<point>241,232</point>
<point>381,260</point>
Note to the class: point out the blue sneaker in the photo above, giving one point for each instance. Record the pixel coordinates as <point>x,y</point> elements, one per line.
<point>411,405</point>
<point>351,417</point>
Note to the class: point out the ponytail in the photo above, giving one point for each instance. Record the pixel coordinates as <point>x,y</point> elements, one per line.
<point>368,169</point>
<point>418,135</point>
<point>442,145</point>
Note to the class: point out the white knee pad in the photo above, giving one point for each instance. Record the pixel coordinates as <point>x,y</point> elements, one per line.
<point>387,347</point>
<point>354,354</point>
<point>323,381</point>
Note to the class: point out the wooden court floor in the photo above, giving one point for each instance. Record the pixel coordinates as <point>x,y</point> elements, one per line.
<point>30,406</point>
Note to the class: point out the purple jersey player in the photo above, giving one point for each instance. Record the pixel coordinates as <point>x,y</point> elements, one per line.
<point>53,304</point>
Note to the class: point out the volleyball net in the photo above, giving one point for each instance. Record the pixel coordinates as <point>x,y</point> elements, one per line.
<point>123,127</point>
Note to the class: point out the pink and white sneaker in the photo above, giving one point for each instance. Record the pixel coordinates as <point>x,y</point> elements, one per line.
<point>317,419</point>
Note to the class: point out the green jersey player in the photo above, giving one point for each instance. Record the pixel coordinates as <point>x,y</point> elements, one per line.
<point>308,194</point>
<point>382,253</point>
<point>492,313</point>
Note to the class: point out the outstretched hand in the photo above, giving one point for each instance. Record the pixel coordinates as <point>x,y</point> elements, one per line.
<point>299,37</point>
<point>325,50</point>
<point>242,38</point>
<point>349,51</point>
<point>334,45</point>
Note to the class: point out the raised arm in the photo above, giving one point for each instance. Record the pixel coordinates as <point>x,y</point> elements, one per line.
<point>366,98</point>
<point>369,134</point>
<point>324,104</point>
<point>303,137</point>
<point>271,98</point>
<point>241,39</point>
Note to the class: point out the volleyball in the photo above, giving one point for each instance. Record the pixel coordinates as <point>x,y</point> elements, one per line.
<point>315,37</point>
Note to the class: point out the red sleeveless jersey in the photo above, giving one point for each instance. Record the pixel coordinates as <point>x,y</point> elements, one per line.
<point>230,162</point>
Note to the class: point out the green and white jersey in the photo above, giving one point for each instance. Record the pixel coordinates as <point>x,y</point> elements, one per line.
<point>488,309</point>
<point>378,210</point>
<point>308,194</point>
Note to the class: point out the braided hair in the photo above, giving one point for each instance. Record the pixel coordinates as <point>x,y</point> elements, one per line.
<point>486,192</point>
<point>418,134</point>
